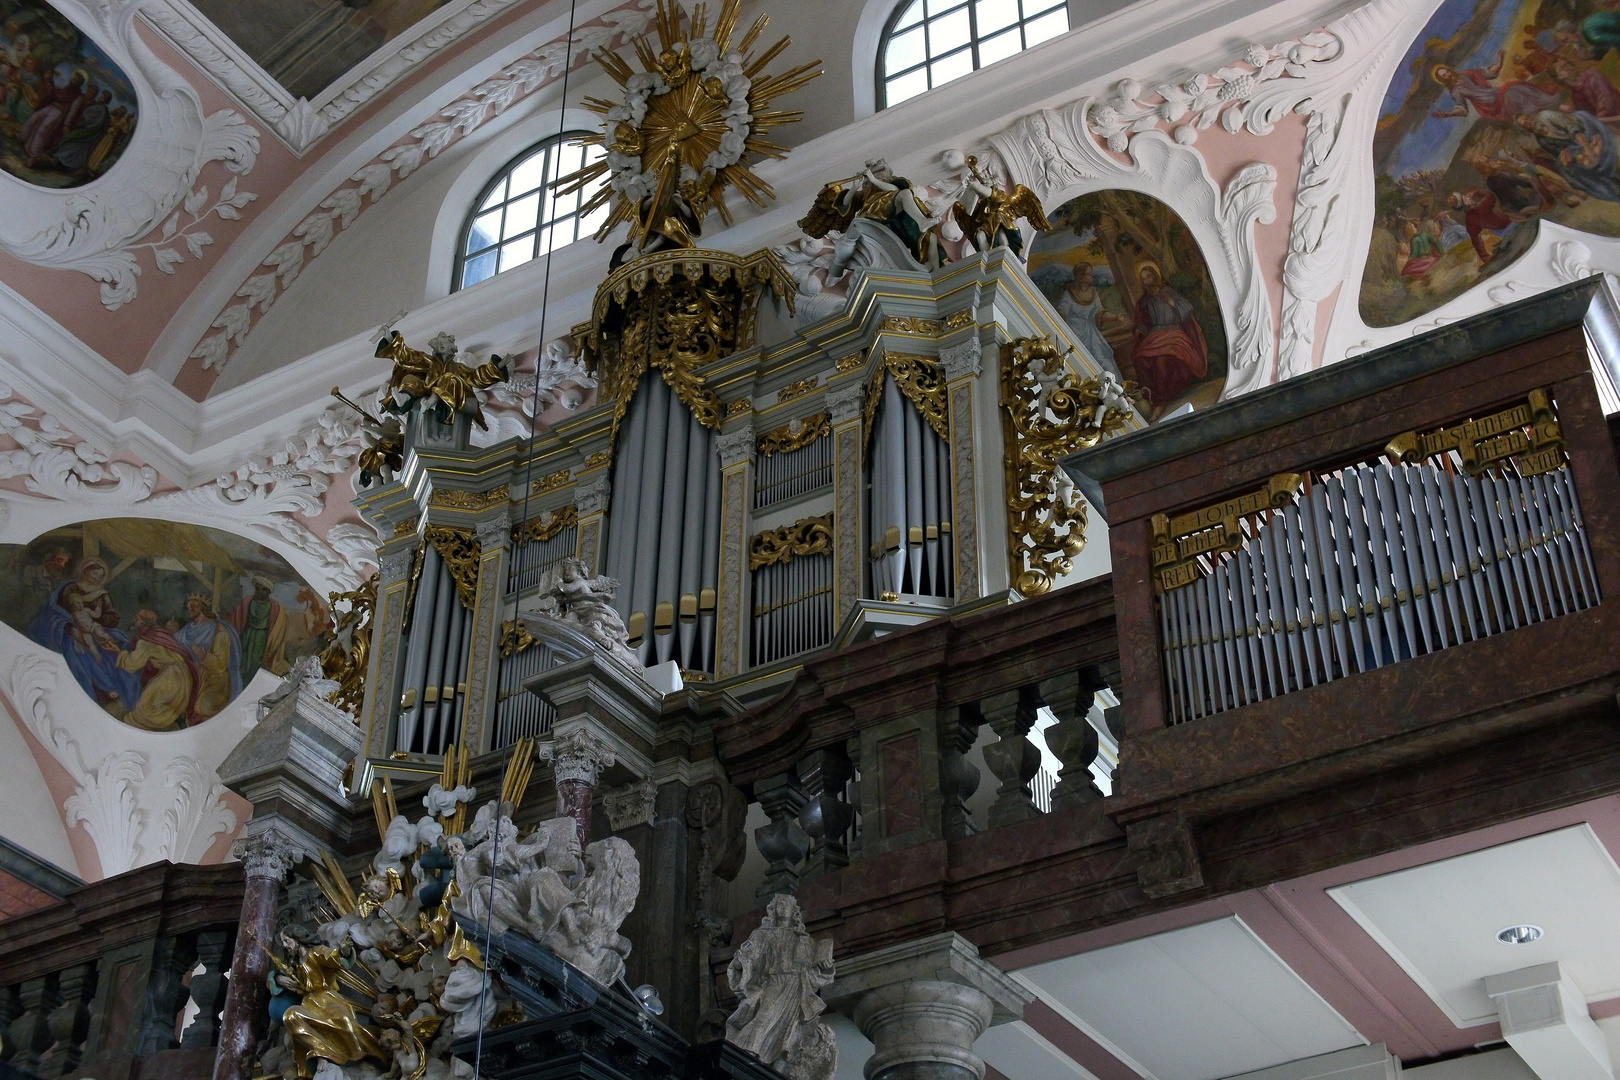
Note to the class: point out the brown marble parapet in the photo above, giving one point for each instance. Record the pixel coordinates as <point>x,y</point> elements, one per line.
<point>936,665</point>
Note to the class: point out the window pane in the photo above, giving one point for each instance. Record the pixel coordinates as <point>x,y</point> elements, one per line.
<point>516,253</point>
<point>993,15</point>
<point>485,231</point>
<point>948,32</point>
<point>906,86</point>
<point>478,269</point>
<point>905,52</point>
<point>1046,26</point>
<point>497,196</point>
<point>529,174</point>
<point>591,222</point>
<point>1000,47</point>
<point>521,215</point>
<point>952,67</point>
<point>911,16</point>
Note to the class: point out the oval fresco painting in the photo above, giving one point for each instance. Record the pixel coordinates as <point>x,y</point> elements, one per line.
<point>1127,276</point>
<point>161,623</point>
<point>69,111</point>
<point>1502,113</point>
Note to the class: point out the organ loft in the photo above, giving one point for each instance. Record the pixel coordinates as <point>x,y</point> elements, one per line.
<point>901,539</point>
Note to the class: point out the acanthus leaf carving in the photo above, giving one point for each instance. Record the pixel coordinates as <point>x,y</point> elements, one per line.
<point>197,814</point>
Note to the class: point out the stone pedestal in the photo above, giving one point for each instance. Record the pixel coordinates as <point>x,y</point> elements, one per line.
<point>923,1004</point>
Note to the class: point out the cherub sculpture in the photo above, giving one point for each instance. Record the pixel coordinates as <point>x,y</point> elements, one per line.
<point>989,216</point>
<point>384,455</point>
<point>438,376</point>
<point>569,593</point>
<point>776,975</point>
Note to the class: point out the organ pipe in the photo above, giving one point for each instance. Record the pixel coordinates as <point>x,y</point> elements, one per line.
<point>908,501</point>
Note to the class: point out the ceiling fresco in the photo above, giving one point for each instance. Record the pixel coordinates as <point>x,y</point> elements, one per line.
<point>66,110</point>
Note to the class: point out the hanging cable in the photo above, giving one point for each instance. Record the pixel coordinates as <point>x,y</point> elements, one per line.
<point>518,554</point>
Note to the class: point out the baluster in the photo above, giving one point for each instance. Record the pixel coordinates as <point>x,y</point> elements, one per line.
<point>30,1031</point>
<point>958,777</point>
<point>1014,759</point>
<point>852,795</point>
<point>1073,739</point>
<point>783,842</point>
<point>166,993</point>
<point>826,817</point>
<point>69,1022</point>
<point>208,988</point>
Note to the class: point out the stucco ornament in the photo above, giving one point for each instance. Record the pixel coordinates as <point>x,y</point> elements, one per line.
<point>545,887</point>
<point>776,975</point>
<point>95,230</point>
<point>570,593</point>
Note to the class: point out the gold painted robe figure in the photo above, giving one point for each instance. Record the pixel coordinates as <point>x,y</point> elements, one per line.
<point>324,1024</point>
<point>419,374</point>
<point>170,695</point>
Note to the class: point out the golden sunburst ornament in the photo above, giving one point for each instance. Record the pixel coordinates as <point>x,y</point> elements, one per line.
<point>687,126</point>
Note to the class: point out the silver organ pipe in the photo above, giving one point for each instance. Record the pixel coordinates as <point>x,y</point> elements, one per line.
<point>532,559</point>
<point>793,608</point>
<point>1373,565</point>
<point>908,519</point>
<point>435,662</point>
<point>791,473</point>
<point>663,527</point>
<point>519,713</point>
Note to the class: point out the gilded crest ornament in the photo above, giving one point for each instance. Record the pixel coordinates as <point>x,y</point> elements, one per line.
<point>687,126</point>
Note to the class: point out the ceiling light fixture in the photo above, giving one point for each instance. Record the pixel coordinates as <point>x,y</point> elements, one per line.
<point>1519,935</point>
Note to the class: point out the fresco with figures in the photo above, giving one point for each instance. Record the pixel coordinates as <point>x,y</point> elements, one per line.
<point>1502,113</point>
<point>306,44</point>
<point>66,110</point>
<point>162,624</point>
<point>1127,276</point>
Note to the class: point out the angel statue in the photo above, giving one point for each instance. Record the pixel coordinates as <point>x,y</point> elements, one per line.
<point>884,221</point>
<point>438,376</point>
<point>324,1023</point>
<point>384,455</point>
<point>776,975</point>
<point>989,216</point>
<point>569,593</point>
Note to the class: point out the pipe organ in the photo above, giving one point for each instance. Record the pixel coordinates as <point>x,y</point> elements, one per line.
<point>1463,533</point>
<point>759,491</point>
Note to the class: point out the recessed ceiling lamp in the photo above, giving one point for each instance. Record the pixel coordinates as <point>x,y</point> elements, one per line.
<point>1519,935</point>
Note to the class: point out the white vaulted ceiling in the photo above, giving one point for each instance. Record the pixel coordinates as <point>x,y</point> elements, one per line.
<point>1198,1003</point>
<point>1439,921</point>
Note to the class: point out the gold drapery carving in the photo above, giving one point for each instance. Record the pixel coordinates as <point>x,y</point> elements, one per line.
<point>807,536</point>
<point>784,439</point>
<point>921,379</point>
<point>536,529</point>
<point>1046,415</point>
<point>345,660</point>
<point>676,311</point>
<point>459,548</point>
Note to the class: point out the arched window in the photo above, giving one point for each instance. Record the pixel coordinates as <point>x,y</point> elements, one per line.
<point>519,217</point>
<point>930,42</point>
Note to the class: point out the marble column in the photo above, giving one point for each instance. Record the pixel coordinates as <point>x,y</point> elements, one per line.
<point>267,857</point>
<point>577,759</point>
<point>924,1003</point>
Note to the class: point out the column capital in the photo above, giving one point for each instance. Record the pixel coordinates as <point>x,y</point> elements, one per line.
<point>271,852</point>
<point>961,360</point>
<point>943,958</point>
<point>493,534</point>
<point>735,447</point>
<point>591,497</point>
<point>577,756</point>
<point>845,405</point>
<point>396,565</point>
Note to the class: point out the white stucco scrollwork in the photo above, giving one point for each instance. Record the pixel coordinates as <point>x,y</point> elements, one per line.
<point>96,229</point>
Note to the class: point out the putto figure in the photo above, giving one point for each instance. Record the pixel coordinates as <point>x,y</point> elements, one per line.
<point>438,376</point>
<point>989,215</point>
<point>569,593</point>
<point>776,974</point>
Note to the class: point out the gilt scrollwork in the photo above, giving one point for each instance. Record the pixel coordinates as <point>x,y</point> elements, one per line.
<point>539,529</point>
<point>515,638</point>
<point>1048,414</point>
<point>785,439</point>
<point>807,536</point>
<point>921,379</point>
<point>460,550</point>
<point>345,660</point>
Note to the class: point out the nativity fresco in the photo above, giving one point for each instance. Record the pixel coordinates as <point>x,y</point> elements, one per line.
<point>1502,113</point>
<point>162,624</point>
<point>305,45</point>
<point>67,112</point>
<point>1129,279</point>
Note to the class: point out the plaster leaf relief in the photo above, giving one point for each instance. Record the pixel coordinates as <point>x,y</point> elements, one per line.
<point>104,798</point>
<point>95,230</point>
<point>1176,175</point>
<point>198,813</point>
<point>371,182</point>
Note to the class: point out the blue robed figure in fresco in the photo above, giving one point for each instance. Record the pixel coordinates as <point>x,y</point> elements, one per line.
<point>79,622</point>
<point>218,652</point>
